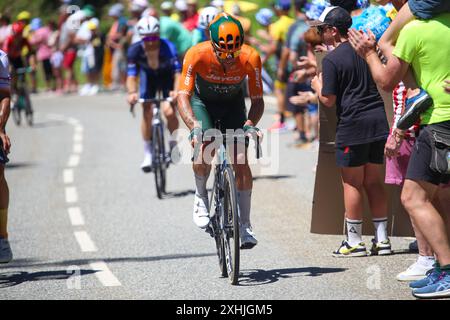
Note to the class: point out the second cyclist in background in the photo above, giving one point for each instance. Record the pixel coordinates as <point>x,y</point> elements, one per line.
<point>154,60</point>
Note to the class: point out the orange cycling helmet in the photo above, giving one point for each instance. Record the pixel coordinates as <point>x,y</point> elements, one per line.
<point>227,35</point>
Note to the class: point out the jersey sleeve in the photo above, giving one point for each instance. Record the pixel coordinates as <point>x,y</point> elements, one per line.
<point>254,76</point>
<point>190,66</point>
<point>329,77</point>
<point>132,68</point>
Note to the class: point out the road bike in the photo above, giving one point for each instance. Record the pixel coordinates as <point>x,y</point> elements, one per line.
<point>160,157</point>
<point>21,98</point>
<point>224,222</point>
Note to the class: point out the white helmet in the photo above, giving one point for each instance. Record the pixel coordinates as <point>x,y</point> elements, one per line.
<point>147,25</point>
<point>206,16</point>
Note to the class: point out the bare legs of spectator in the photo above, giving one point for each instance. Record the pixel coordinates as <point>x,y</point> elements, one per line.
<point>59,82</point>
<point>416,198</point>
<point>357,179</point>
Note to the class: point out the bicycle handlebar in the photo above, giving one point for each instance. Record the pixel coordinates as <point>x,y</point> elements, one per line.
<point>153,100</point>
<point>233,136</point>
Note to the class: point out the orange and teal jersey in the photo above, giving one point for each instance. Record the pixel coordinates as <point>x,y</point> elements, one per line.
<point>203,74</point>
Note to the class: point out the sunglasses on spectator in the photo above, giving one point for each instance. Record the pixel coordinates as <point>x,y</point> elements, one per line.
<point>150,38</point>
<point>322,28</point>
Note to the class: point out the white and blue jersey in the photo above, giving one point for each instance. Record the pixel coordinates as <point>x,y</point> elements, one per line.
<point>153,80</point>
<point>5,77</point>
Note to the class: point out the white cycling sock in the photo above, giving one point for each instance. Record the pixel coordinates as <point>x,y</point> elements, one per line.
<point>380,229</point>
<point>200,184</point>
<point>148,147</point>
<point>244,202</point>
<point>354,231</point>
<point>426,261</point>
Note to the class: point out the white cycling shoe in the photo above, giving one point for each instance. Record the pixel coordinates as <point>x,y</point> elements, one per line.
<point>201,213</point>
<point>248,239</point>
<point>146,165</point>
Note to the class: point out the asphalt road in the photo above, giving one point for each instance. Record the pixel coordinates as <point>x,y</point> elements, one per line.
<point>85,222</point>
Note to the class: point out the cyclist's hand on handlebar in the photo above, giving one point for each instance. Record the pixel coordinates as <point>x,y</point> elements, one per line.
<point>6,142</point>
<point>195,136</point>
<point>132,98</point>
<point>253,132</point>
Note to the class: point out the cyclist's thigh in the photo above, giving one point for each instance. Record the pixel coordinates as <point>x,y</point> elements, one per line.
<point>147,89</point>
<point>201,113</point>
<point>165,84</point>
<point>235,115</point>
<point>234,119</point>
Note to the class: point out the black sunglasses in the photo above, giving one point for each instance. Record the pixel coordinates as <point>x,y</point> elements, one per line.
<point>322,28</point>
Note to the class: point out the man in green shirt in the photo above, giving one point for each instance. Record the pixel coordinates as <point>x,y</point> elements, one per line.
<point>177,34</point>
<point>423,45</point>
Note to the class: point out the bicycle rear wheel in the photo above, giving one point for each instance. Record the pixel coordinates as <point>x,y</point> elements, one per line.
<point>159,166</point>
<point>29,111</point>
<point>231,226</point>
<point>17,106</point>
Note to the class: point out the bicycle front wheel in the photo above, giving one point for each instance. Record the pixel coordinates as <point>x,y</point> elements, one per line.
<point>231,226</point>
<point>159,166</point>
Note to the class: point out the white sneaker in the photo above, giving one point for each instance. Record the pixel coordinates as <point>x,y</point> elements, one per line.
<point>201,213</point>
<point>93,90</point>
<point>84,91</point>
<point>5,251</point>
<point>416,271</point>
<point>146,165</point>
<point>248,239</point>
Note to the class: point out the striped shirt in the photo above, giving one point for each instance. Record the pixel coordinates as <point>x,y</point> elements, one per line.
<point>399,99</point>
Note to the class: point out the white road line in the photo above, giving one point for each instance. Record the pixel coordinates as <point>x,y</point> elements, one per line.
<point>105,275</point>
<point>74,161</point>
<point>85,242</point>
<point>79,129</point>
<point>76,217</point>
<point>68,176</point>
<point>71,195</point>
<point>73,121</point>
<point>57,117</point>
<point>77,148</point>
<point>78,137</point>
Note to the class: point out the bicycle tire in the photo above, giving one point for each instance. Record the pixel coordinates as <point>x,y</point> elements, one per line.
<point>16,114</point>
<point>220,248</point>
<point>29,111</point>
<point>231,226</point>
<point>158,163</point>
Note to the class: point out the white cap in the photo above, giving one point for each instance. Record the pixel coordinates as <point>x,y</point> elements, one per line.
<point>217,3</point>
<point>138,5</point>
<point>166,5</point>
<point>181,5</point>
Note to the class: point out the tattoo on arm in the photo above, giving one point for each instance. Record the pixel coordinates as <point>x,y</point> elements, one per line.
<point>256,111</point>
<point>186,112</point>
